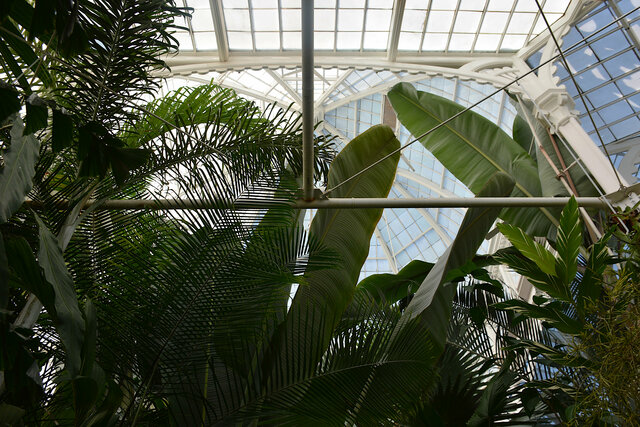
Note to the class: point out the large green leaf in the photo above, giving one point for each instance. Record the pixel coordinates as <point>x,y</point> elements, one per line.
<point>568,242</point>
<point>432,302</point>
<point>388,288</point>
<point>473,149</point>
<point>523,135</point>
<point>321,300</point>
<point>529,138</point>
<point>529,248</point>
<point>16,178</point>
<point>69,320</point>
<point>26,274</point>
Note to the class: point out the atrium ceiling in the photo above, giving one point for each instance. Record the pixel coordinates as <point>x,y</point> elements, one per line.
<point>463,50</point>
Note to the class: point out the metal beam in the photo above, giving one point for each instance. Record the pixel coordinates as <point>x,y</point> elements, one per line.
<point>337,132</point>
<point>430,64</point>
<point>384,87</point>
<point>342,203</point>
<point>332,88</point>
<point>308,159</point>
<point>286,86</point>
<point>231,84</point>
<point>394,33</point>
<point>576,10</point>
<point>220,27</point>
<point>625,24</point>
<point>623,145</point>
<point>190,27</point>
<point>385,248</point>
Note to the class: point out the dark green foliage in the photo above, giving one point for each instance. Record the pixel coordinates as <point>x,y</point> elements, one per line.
<point>432,301</point>
<point>37,113</point>
<point>183,317</point>
<point>64,306</point>
<point>61,130</point>
<point>99,151</point>
<point>9,101</point>
<point>387,289</point>
<point>17,173</point>
<point>26,274</point>
<point>125,40</point>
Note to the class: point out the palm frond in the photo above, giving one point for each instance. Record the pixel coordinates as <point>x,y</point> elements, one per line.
<point>126,39</point>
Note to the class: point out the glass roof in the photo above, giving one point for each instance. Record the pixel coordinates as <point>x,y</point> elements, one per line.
<point>367,25</point>
<point>607,71</point>
<point>350,100</point>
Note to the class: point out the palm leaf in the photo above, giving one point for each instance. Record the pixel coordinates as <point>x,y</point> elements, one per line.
<point>534,251</point>
<point>568,242</point>
<point>126,39</point>
<point>162,342</point>
<point>17,174</point>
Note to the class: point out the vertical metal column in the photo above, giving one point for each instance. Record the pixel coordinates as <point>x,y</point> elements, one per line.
<point>308,158</point>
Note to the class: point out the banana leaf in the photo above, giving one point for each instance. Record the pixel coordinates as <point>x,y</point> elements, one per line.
<point>551,186</point>
<point>432,302</point>
<point>324,295</point>
<point>473,149</point>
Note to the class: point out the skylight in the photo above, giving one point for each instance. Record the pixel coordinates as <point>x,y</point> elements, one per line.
<point>366,25</point>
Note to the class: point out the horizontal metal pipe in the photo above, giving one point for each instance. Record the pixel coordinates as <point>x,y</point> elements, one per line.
<point>336,203</point>
<point>451,202</point>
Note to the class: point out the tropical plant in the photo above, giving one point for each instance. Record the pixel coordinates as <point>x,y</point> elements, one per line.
<point>590,308</point>
<point>190,316</point>
<point>216,344</point>
<point>478,380</point>
<point>464,139</point>
<point>93,91</point>
<point>48,58</point>
<point>220,134</point>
